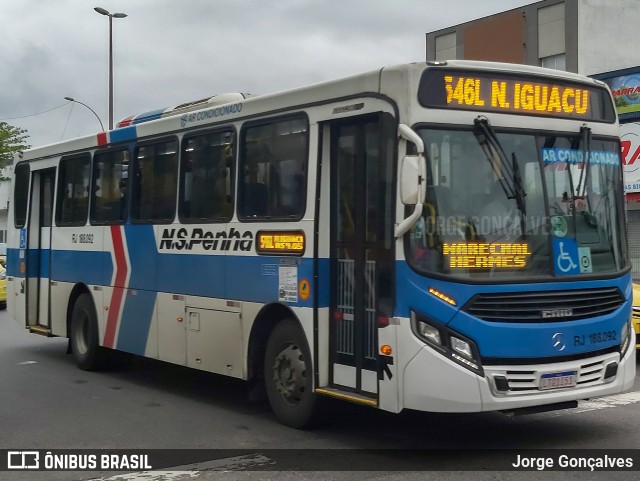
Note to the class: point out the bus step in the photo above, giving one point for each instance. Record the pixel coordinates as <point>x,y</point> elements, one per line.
<point>41,330</point>
<point>347,396</point>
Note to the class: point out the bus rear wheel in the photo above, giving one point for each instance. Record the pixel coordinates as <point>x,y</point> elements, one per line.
<point>289,377</point>
<point>85,345</point>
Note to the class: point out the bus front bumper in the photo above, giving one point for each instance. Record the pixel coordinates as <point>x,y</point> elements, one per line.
<point>434,383</point>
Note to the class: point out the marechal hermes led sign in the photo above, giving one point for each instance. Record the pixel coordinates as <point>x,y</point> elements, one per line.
<point>509,94</point>
<point>486,256</point>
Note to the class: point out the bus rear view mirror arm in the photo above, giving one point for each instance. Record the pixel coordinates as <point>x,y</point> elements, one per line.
<point>412,179</point>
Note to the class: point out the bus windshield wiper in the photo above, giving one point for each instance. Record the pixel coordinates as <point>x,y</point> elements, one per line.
<point>518,187</point>
<point>581,189</point>
<point>508,173</point>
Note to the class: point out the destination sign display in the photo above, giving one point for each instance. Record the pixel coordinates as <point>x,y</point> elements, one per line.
<point>473,255</point>
<point>499,92</point>
<point>280,242</point>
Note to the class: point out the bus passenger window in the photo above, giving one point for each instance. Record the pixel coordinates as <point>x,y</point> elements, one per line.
<point>73,191</point>
<point>206,180</point>
<point>256,196</point>
<point>291,186</point>
<point>109,198</point>
<point>274,162</point>
<point>21,194</point>
<point>155,182</point>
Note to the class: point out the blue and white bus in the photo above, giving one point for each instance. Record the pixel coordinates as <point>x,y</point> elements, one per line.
<point>445,237</point>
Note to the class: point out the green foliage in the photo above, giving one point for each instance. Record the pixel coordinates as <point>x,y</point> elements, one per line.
<point>620,101</point>
<point>12,140</point>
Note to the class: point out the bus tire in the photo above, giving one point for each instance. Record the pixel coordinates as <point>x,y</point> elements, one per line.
<point>84,335</point>
<point>289,377</point>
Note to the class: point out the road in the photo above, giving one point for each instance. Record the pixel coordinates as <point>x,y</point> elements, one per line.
<point>47,403</point>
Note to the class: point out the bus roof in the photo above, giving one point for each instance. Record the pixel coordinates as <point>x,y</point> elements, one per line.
<point>218,107</point>
<point>516,68</point>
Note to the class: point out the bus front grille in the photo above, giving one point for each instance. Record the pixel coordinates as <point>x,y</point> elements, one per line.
<point>546,306</point>
<point>522,380</point>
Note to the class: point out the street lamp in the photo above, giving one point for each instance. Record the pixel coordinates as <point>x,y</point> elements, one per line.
<point>111,16</point>
<point>71,99</point>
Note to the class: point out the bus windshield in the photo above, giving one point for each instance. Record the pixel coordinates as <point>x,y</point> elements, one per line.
<point>519,205</point>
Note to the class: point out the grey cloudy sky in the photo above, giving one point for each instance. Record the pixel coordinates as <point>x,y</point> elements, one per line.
<point>167,52</point>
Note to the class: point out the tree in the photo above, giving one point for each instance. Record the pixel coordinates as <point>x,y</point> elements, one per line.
<point>12,140</point>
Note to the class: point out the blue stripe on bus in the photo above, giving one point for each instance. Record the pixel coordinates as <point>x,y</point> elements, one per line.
<point>122,134</point>
<point>148,116</point>
<point>137,315</point>
<point>33,258</point>
<point>502,339</point>
<point>199,275</point>
<point>13,263</point>
<point>140,244</point>
<point>39,265</point>
<point>68,266</point>
<point>94,268</point>
<point>535,340</point>
<point>251,279</point>
<point>244,278</point>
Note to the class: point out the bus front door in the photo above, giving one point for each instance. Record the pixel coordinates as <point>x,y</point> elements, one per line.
<point>361,248</point>
<point>39,251</point>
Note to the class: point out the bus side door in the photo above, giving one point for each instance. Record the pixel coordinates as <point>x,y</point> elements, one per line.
<point>38,256</point>
<point>361,247</point>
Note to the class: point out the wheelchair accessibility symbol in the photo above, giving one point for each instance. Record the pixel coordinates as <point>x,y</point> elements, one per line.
<point>565,252</point>
<point>564,260</point>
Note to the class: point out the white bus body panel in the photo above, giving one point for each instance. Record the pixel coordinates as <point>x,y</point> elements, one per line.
<point>214,341</point>
<point>172,329</point>
<point>432,382</point>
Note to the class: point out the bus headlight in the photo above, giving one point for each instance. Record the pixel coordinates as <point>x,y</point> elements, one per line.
<point>447,342</point>
<point>429,332</point>
<point>461,347</point>
<point>625,337</point>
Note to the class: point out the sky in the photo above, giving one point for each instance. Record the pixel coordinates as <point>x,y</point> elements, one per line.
<point>167,52</point>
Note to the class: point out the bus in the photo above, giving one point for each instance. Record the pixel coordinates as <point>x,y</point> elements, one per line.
<point>440,236</point>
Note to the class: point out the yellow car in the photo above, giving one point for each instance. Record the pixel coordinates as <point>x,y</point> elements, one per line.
<point>636,313</point>
<point>3,287</point>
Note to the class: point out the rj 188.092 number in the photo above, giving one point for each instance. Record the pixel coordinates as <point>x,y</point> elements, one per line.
<point>82,238</point>
<point>594,338</point>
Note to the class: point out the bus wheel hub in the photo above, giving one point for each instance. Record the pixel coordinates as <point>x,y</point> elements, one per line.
<point>289,373</point>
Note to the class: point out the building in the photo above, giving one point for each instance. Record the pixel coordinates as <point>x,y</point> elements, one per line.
<point>589,37</point>
<point>584,36</point>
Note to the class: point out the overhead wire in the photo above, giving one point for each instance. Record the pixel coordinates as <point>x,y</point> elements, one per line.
<point>68,118</point>
<point>33,115</point>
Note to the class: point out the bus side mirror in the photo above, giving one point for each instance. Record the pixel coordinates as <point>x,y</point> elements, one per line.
<point>413,174</point>
<point>412,182</point>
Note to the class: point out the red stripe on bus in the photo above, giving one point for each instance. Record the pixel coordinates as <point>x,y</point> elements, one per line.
<point>102,138</point>
<point>118,291</point>
<point>126,121</point>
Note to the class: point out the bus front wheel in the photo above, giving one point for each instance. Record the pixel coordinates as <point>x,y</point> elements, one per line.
<point>288,377</point>
<point>84,334</point>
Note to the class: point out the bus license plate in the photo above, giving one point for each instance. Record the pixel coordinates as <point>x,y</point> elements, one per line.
<point>555,380</point>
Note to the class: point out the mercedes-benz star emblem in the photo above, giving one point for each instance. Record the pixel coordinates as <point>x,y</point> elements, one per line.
<point>557,341</point>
